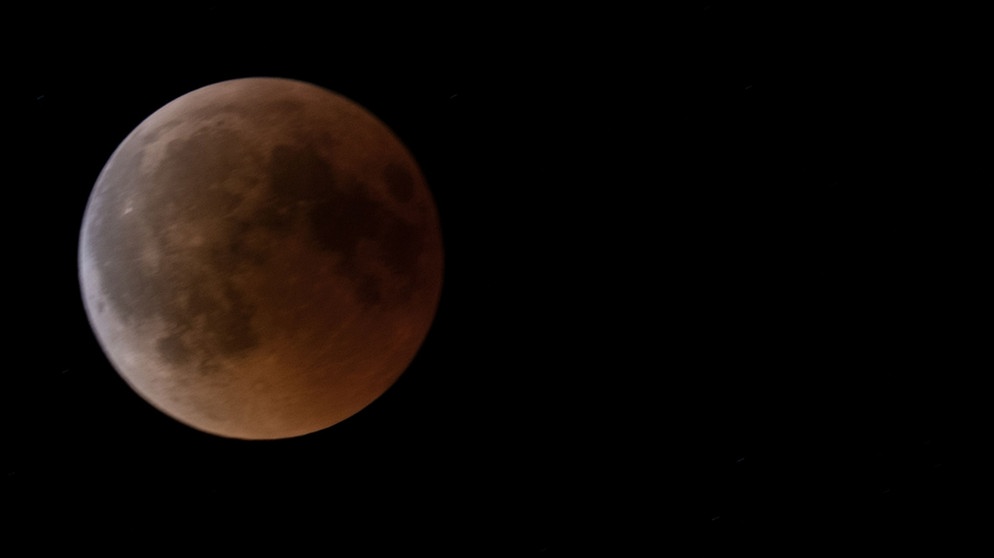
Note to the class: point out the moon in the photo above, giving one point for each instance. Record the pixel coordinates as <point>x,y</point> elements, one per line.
<point>260,258</point>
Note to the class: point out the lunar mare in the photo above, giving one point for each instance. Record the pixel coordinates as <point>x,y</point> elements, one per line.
<point>260,258</point>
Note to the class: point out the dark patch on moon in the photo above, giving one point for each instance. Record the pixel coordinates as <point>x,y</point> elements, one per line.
<point>299,175</point>
<point>368,290</point>
<point>341,213</point>
<point>402,244</point>
<point>173,350</point>
<point>235,251</point>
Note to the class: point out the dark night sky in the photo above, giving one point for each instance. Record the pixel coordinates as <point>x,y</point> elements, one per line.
<point>701,282</point>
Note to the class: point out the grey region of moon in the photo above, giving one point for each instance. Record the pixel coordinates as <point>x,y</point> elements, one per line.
<point>260,258</point>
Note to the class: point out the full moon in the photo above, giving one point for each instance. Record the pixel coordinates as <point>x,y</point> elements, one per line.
<point>260,258</point>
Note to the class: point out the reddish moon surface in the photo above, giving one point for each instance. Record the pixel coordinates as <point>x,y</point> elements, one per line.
<point>260,258</point>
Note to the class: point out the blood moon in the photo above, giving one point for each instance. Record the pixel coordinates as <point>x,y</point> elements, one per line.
<point>260,258</point>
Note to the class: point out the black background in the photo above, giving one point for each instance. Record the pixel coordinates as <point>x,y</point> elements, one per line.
<point>704,283</point>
